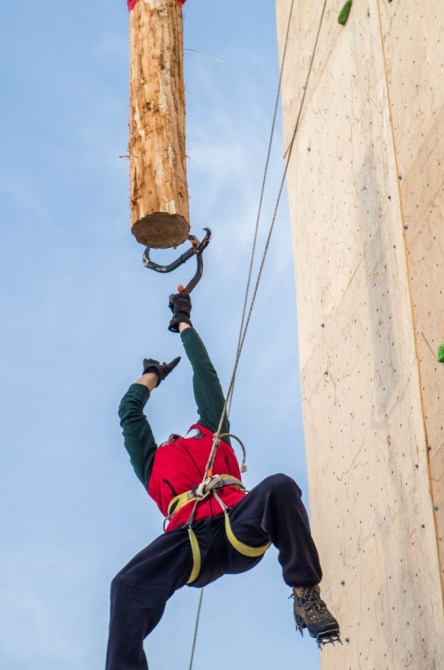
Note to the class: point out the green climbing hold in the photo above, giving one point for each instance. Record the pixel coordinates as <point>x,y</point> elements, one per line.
<point>345,11</point>
<point>441,352</point>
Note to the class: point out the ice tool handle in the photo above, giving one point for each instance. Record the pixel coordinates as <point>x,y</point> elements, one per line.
<point>196,249</point>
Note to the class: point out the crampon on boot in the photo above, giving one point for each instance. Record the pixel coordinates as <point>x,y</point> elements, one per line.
<point>312,613</point>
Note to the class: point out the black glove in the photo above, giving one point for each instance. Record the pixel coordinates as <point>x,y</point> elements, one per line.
<point>161,369</point>
<point>180,305</point>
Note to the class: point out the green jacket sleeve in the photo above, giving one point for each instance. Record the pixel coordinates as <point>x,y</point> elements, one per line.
<point>206,385</point>
<point>137,434</point>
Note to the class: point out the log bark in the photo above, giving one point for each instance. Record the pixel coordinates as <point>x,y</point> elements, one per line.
<point>158,179</point>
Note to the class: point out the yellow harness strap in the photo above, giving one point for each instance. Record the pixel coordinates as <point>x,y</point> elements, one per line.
<point>244,549</point>
<point>197,560</point>
<point>184,498</point>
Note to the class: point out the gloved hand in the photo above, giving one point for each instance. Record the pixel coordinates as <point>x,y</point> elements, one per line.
<point>180,305</point>
<point>161,369</point>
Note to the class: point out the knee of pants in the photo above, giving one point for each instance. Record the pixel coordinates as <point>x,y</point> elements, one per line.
<point>283,485</point>
<point>121,583</point>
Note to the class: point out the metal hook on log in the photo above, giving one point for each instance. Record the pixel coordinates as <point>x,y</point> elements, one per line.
<point>196,249</point>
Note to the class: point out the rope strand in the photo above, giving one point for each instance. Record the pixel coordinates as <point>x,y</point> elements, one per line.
<point>289,153</point>
<point>196,629</point>
<point>244,328</point>
<point>267,244</point>
<point>261,198</point>
<point>227,405</point>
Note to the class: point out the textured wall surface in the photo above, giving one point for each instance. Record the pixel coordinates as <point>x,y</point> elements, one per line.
<point>366,192</point>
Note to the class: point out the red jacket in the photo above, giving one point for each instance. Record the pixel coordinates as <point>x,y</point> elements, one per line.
<point>180,465</point>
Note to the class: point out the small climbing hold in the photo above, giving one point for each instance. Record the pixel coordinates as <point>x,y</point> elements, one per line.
<point>345,11</point>
<point>441,352</point>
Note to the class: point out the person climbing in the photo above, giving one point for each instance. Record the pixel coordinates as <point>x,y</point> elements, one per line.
<point>214,527</point>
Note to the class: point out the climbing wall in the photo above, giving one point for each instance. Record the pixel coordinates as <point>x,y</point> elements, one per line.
<point>366,193</point>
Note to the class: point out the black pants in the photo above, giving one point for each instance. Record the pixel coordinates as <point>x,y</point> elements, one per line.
<point>272,512</point>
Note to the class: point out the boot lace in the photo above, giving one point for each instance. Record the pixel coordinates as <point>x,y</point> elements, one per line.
<point>313,604</point>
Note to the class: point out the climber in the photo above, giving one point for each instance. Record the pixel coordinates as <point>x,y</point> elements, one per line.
<point>213,529</point>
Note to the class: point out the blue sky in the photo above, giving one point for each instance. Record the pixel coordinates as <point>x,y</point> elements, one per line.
<point>79,312</point>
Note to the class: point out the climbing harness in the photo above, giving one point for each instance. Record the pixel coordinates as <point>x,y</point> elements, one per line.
<point>244,549</point>
<point>202,491</point>
<point>210,486</point>
<point>197,248</point>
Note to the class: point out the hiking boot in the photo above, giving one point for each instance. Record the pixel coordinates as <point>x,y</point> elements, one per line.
<point>312,613</point>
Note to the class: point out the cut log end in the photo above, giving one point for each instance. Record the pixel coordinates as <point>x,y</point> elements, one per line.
<point>161,230</point>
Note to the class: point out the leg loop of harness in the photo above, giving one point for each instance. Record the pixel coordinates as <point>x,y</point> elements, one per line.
<point>244,549</point>
<point>197,559</point>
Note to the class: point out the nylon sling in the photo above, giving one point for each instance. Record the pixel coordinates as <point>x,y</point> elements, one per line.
<point>198,493</point>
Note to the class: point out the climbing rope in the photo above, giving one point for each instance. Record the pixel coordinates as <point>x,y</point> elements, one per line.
<point>264,179</point>
<point>243,331</point>
<point>246,321</point>
<point>196,629</point>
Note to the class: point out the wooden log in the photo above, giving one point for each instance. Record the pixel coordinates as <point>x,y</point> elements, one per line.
<point>158,180</point>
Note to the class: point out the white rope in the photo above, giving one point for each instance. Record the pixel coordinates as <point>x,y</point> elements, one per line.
<point>245,323</point>
<point>196,629</point>
<point>261,198</point>
<point>243,331</point>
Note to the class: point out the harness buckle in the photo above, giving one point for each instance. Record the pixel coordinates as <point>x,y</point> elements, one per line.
<point>205,488</point>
